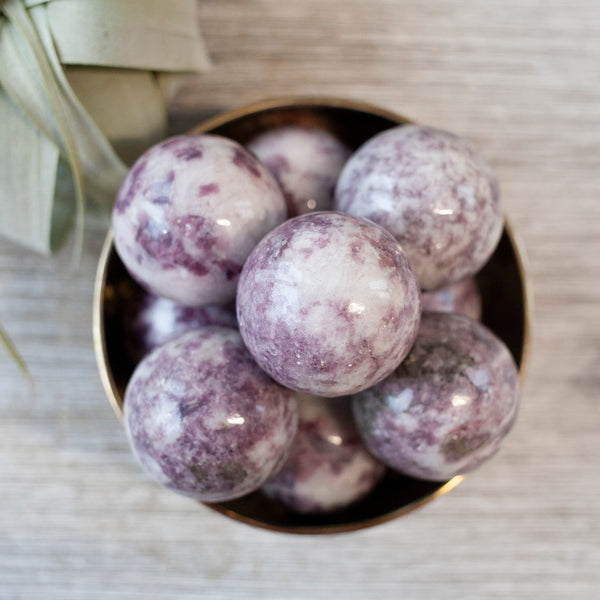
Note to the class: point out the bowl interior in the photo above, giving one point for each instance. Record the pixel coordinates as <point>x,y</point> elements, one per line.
<point>502,286</point>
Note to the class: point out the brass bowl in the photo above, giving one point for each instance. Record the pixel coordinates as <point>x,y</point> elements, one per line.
<point>502,284</point>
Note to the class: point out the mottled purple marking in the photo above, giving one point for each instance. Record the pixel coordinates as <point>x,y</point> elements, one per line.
<point>277,164</point>
<point>462,298</point>
<point>197,229</point>
<point>356,251</point>
<point>207,189</point>
<point>448,407</point>
<point>245,160</point>
<point>130,187</point>
<point>204,420</point>
<point>434,192</point>
<point>149,321</point>
<point>160,192</point>
<point>208,213</point>
<point>173,142</point>
<point>230,268</point>
<point>183,147</point>
<point>190,153</point>
<point>328,467</point>
<point>189,405</point>
<point>152,238</point>
<point>306,162</point>
<point>159,244</point>
<point>463,442</point>
<point>317,319</point>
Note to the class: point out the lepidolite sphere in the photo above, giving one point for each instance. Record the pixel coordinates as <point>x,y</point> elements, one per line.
<point>431,189</point>
<point>188,214</point>
<point>306,161</point>
<point>449,405</point>
<point>462,297</point>
<point>204,420</point>
<point>328,304</point>
<point>328,466</point>
<point>150,321</point>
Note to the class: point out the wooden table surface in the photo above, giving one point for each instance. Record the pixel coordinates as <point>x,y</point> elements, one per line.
<point>521,78</point>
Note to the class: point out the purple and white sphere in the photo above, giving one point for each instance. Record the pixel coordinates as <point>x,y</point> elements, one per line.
<point>431,189</point>
<point>306,161</point>
<point>328,304</point>
<point>462,297</point>
<point>449,405</point>
<point>150,321</point>
<point>189,212</point>
<point>328,466</point>
<point>204,420</point>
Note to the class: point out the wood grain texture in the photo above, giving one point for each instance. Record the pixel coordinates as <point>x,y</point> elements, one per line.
<point>521,79</point>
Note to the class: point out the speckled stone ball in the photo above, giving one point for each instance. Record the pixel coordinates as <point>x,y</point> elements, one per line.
<point>431,189</point>
<point>204,420</point>
<point>328,304</point>
<point>449,405</point>
<point>306,161</point>
<point>462,297</point>
<point>149,321</point>
<point>189,212</point>
<point>328,466</point>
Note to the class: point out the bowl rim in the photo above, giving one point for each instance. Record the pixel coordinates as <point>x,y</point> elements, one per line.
<point>294,102</point>
<point>99,338</point>
<point>98,332</point>
<point>341,527</point>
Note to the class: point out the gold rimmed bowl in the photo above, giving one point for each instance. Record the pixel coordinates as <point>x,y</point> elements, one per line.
<point>502,283</point>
